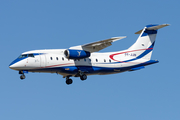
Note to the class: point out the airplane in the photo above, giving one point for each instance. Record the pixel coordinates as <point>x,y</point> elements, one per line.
<point>84,60</point>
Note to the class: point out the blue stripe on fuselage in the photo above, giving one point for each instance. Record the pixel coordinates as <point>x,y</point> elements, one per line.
<point>17,60</point>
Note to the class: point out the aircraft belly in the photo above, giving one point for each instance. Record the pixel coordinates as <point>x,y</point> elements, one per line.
<point>96,69</point>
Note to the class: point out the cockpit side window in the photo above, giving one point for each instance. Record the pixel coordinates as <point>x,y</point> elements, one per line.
<point>23,56</point>
<point>26,55</point>
<point>30,55</point>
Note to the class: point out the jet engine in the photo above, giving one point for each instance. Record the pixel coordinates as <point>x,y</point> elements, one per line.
<point>76,54</point>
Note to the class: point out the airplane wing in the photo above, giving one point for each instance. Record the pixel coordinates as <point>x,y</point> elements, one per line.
<point>97,46</point>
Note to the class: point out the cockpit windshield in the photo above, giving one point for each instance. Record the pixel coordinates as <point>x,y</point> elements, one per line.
<point>26,55</point>
<point>23,56</point>
<point>30,55</point>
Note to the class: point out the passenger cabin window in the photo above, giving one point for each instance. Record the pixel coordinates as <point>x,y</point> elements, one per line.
<point>109,60</point>
<point>51,58</point>
<point>104,60</point>
<point>62,58</point>
<point>96,60</point>
<point>90,60</point>
<point>56,58</point>
<point>85,59</point>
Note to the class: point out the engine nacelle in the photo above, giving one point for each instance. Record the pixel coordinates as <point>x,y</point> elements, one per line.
<point>76,54</point>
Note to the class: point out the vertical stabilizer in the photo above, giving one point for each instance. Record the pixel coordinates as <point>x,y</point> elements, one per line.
<point>143,47</point>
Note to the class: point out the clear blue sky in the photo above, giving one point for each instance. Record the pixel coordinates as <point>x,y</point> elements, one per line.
<point>152,93</point>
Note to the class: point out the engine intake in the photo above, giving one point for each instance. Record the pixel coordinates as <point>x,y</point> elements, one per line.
<point>76,54</point>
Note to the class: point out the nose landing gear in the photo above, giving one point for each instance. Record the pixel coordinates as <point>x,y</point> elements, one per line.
<point>22,76</point>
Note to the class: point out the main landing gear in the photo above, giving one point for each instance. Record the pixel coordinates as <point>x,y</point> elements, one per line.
<point>69,81</point>
<point>80,74</point>
<point>83,77</point>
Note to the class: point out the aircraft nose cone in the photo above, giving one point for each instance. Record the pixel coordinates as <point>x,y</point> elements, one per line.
<point>15,64</point>
<point>12,66</point>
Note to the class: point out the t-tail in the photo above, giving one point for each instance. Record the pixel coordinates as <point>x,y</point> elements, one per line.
<point>143,47</point>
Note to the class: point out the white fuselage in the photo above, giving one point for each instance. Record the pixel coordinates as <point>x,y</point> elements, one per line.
<point>54,61</point>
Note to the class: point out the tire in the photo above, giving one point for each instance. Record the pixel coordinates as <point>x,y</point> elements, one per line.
<point>83,77</point>
<point>22,77</point>
<point>69,81</point>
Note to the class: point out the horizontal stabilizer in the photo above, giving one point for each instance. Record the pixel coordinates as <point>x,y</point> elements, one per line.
<point>153,28</point>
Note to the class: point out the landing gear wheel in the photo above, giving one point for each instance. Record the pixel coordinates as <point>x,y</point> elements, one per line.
<point>83,77</point>
<point>22,77</point>
<point>69,81</point>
